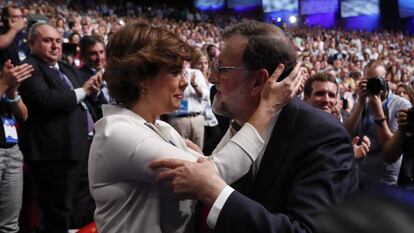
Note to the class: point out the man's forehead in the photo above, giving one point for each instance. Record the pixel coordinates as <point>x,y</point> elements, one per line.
<point>233,48</point>
<point>47,31</point>
<point>324,85</point>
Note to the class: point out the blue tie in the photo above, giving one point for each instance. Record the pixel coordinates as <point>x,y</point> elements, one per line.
<point>63,77</point>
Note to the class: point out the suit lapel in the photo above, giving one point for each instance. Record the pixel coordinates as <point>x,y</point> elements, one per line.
<point>276,150</point>
<point>50,73</point>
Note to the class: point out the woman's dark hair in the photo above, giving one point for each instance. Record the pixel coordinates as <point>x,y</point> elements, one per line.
<point>138,52</point>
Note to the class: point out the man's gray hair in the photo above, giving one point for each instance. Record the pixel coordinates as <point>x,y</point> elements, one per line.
<point>33,31</point>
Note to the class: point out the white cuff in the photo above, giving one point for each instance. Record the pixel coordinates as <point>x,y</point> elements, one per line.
<point>217,206</point>
<point>80,94</point>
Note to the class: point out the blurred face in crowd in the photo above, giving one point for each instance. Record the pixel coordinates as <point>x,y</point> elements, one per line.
<point>95,56</point>
<point>232,86</point>
<point>401,91</point>
<point>165,91</point>
<point>337,63</point>
<point>344,73</point>
<point>202,64</point>
<point>47,44</point>
<point>15,14</point>
<point>323,96</point>
<point>75,39</point>
<point>213,52</point>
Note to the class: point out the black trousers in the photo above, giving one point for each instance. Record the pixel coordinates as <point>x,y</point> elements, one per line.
<point>63,194</point>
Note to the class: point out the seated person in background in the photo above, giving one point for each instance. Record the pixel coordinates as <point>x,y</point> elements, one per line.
<point>321,92</point>
<point>144,75</point>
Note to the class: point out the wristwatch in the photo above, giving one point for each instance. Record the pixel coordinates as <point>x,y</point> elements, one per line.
<point>13,101</point>
<point>379,121</point>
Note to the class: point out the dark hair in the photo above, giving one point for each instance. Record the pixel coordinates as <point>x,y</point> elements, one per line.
<point>138,52</point>
<point>319,77</point>
<point>88,41</point>
<point>267,46</point>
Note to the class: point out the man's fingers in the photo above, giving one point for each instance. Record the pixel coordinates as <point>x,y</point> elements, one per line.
<point>355,140</point>
<point>301,78</point>
<point>166,163</point>
<point>202,159</point>
<point>276,75</point>
<point>294,74</point>
<point>165,176</point>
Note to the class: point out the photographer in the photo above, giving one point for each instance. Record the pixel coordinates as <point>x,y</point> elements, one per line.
<point>13,38</point>
<point>375,115</point>
<point>405,137</point>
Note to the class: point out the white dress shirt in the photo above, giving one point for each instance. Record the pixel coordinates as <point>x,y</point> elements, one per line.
<point>227,191</point>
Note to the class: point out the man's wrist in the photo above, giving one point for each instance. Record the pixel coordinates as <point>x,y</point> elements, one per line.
<point>209,198</point>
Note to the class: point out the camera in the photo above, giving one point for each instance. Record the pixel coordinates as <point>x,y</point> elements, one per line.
<point>409,128</point>
<point>376,84</point>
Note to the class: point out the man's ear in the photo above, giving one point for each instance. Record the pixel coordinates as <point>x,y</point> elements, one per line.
<point>259,79</point>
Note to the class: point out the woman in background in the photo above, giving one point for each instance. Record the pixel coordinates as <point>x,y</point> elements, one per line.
<point>211,129</point>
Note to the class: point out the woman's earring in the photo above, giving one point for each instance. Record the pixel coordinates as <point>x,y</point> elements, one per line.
<point>142,89</point>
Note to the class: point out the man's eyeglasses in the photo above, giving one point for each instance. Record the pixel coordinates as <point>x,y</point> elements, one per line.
<point>16,17</point>
<point>215,68</point>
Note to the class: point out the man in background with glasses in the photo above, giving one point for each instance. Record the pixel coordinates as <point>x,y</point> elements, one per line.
<point>13,36</point>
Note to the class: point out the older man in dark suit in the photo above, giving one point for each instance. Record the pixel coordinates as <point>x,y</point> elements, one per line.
<point>307,165</point>
<point>55,136</point>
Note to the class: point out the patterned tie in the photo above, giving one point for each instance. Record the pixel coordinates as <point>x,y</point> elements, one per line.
<point>63,77</point>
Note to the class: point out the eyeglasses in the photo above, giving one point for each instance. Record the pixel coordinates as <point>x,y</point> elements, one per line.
<point>16,17</point>
<point>215,68</point>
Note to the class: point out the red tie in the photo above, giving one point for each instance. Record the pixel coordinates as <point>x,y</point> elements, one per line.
<point>202,219</point>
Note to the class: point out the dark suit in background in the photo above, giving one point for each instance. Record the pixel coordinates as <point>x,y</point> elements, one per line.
<point>54,140</point>
<point>307,167</point>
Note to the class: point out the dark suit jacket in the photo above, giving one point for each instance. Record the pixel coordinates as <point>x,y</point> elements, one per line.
<point>307,167</point>
<point>57,125</point>
<point>94,101</point>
